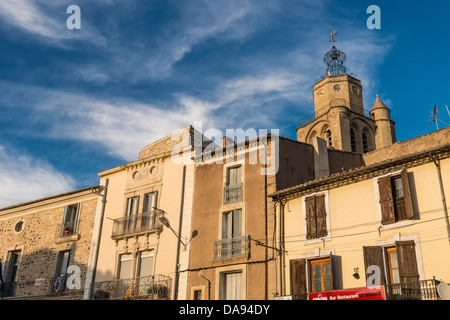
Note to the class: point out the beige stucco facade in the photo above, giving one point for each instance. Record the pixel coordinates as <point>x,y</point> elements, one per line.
<point>354,217</point>
<point>165,172</point>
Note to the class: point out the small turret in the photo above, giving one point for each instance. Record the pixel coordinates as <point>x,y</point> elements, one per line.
<point>385,127</point>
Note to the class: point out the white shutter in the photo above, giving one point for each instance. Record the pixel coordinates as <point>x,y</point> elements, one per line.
<point>125,266</point>
<point>146,264</point>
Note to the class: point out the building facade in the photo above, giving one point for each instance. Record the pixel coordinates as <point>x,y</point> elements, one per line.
<point>143,223</point>
<point>45,246</point>
<point>383,223</point>
<point>235,254</point>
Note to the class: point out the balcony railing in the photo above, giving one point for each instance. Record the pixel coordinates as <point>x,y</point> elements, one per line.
<point>232,193</point>
<point>420,290</point>
<point>137,223</point>
<point>231,248</point>
<point>151,287</point>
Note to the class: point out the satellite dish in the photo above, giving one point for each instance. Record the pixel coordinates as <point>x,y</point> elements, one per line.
<point>444,291</point>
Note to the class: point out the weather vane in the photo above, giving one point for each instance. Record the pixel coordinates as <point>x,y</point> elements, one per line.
<point>333,33</point>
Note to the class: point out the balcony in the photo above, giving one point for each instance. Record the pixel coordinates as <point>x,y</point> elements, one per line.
<point>232,193</point>
<point>145,288</point>
<point>231,248</point>
<point>137,224</point>
<point>419,290</point>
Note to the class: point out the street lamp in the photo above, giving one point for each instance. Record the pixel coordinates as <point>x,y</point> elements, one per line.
<point>166,223</point>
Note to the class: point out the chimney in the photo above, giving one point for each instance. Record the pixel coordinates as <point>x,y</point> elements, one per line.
<point>226,141</point>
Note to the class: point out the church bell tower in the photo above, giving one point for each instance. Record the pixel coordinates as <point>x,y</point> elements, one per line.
<point>339,116</point>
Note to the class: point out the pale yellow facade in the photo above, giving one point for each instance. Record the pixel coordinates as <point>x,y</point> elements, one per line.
<point>166,174</point>
<point>354,217</point>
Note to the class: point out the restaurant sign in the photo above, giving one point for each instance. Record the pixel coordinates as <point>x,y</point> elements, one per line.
<point>371,293</point>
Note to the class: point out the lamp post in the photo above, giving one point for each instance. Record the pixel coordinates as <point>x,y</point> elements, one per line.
<point>165,222</point>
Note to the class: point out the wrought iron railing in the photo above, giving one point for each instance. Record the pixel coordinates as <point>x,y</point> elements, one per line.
<point>151,287</point>
<point>137,223</point>
<point>419,290</point>
<point>333,103</point>
<point>231,248</point>
<point>232,193</point>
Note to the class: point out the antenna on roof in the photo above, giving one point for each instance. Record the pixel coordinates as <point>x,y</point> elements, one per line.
<point>435,116</point>
<point>435,113</point>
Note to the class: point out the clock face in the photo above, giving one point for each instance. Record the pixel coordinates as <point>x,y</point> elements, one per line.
<point>355,89</point>
<point>337,87</point>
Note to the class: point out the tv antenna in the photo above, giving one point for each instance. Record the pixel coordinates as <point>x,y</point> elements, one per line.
<point>435,116</point>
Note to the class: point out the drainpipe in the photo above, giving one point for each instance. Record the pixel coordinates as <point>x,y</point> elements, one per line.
<point>441,186</point>
<point>281,252</point>
<point>94,270</point>
<point>177,266</point>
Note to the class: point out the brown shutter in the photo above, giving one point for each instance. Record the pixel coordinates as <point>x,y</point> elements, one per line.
<point>407,262</point>
<point>374,256</point>
<point>409,212</point>
<point>321,216</point>
<point>298,276</point>
<point>386,200</point>
<point>311,229</point>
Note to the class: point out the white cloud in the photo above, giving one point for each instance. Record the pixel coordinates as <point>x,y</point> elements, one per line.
<point>24,178</point>
<point>47,19</point>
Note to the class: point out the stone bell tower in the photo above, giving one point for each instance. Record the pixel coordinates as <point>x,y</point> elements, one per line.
<point>339,116</point>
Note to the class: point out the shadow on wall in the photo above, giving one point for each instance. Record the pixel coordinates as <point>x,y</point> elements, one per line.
<point>43,274</point>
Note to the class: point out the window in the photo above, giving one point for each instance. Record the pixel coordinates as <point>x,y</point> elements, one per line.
<point>232,224</point>
<point>316,217</point>
<point>399,262</point>
<point>365,141</point>
<point>392,264</point>
<point>312,275</point>
<point>132,205</point>
<point>197,295</point>
<point>146,264</point>
<point>233,189</point>
<point>131,213</point>
<point>70,220</point>
<point>321,275</point>
<point>353,139</point>
<point>328,138</point>
<point>62,263</point>
<point>12,272</point>
<point>395,198</point>
<point>150,201</point>
<point>231,286</point>
<point>125,266</point>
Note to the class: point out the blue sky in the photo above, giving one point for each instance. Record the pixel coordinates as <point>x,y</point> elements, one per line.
<point>77,102</point>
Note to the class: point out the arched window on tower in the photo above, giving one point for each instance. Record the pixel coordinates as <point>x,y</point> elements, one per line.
<point>328,138</point>
<point>365,141</point>
<point>353,139</point>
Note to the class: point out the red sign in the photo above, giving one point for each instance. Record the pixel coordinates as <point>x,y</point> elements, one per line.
<point>372,293</point>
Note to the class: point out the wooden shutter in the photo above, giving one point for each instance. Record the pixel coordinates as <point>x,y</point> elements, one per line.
<point>386,200</point>
<point>409,212</point>
<point>311,228</point>
<point>407,262</point>
<point>374,256</point>
<point>298,276</point>
<point>321,216</point>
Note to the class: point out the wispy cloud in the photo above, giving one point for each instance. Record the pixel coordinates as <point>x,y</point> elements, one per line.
<point>24,178</point>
